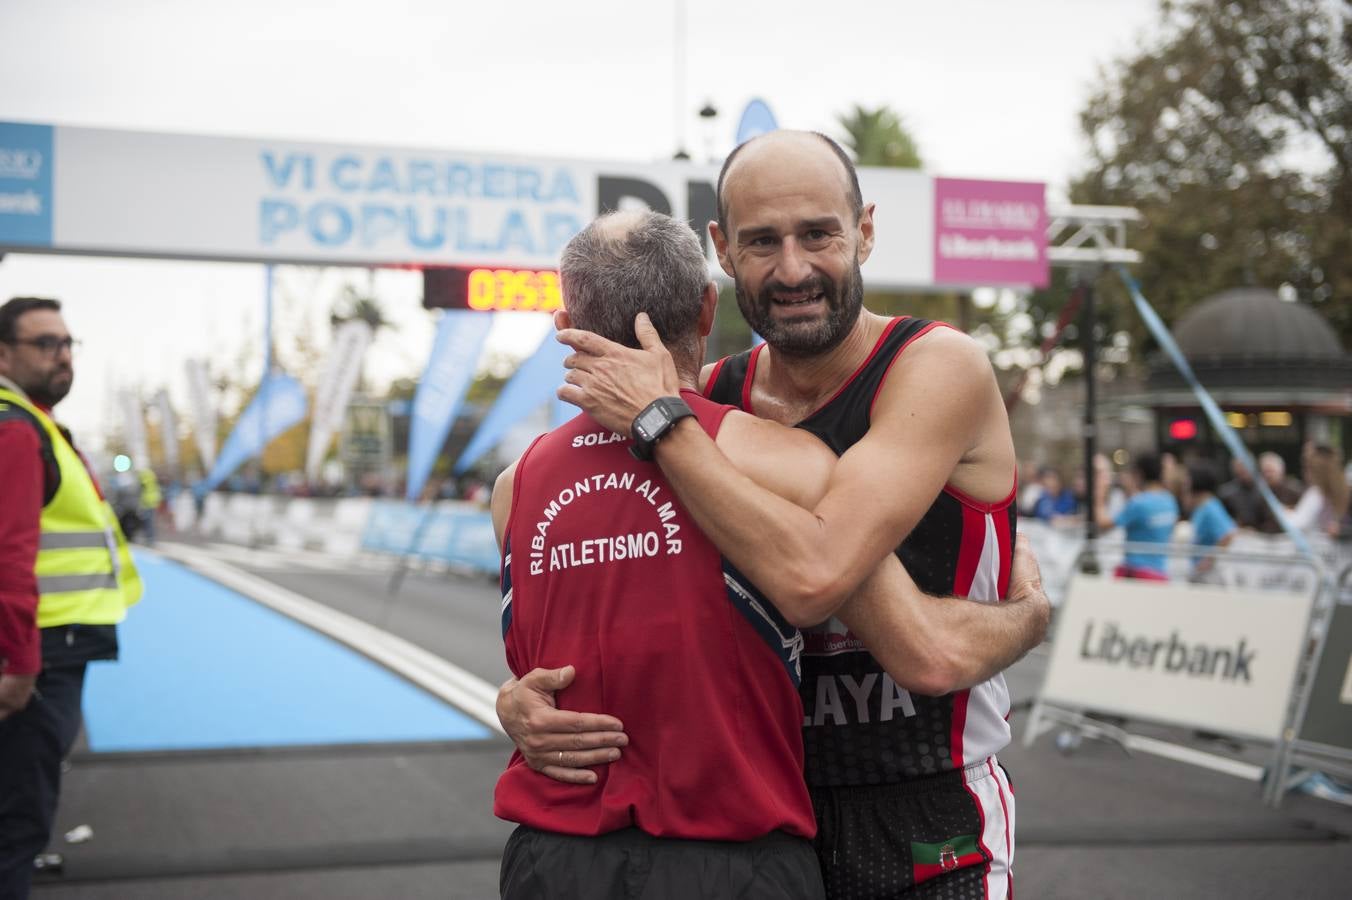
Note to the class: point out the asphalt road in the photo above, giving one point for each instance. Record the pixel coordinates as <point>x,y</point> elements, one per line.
<point>415,821</point>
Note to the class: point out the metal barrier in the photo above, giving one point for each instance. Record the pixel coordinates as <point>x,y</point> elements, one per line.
<point>1320,736</point>
<point>1252,560</point>
<point>1231,657</point>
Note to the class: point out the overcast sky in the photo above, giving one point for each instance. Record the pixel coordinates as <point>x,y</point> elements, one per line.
<point>989,89</point>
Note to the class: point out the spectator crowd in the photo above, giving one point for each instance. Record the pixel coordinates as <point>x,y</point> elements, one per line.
<point>1154,493</point>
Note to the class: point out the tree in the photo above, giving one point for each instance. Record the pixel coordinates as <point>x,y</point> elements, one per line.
<point>356,305</point>
<point>877,138</point>
<point>1232,133</point>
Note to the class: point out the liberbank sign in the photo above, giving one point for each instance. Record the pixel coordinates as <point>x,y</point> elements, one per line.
<point>1220,659</point>
<point>125,193</point>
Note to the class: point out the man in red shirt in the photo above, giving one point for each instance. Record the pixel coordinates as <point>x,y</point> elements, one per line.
<point>604,568</point>
<point>65,581</point>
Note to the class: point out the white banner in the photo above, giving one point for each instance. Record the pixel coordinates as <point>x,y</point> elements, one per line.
<point>334,390</point>
<point>203,413</point>
<point>134,428</point>
<point>1209,658</point>
<point>87,190</point>
<point>168,431</point>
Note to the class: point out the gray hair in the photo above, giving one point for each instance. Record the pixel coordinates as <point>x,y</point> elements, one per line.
<point>628,262</point>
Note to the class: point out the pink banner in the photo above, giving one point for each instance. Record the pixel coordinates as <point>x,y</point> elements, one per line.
<point>990,232</point>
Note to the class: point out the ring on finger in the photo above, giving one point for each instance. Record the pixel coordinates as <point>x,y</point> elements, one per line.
<point>560,757</point>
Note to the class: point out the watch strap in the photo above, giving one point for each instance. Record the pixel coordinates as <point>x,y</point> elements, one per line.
<point>673,409</point>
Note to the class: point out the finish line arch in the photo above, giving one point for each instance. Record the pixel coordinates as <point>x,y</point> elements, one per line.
<point>102,192</point>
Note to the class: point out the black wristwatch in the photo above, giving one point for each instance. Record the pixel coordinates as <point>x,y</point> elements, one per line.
<point>654,422</point>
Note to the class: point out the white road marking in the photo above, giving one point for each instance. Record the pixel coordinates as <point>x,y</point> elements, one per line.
<point>1179,753</point>
<point>290,561</point>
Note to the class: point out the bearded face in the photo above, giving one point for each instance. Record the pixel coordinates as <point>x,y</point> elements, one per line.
<point>50,387</point>
<point>805,319</point>
<point>45,374</point>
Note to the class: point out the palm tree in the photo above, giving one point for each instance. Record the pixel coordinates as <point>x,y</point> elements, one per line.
<point>358,305</point>
<point>878,138</point>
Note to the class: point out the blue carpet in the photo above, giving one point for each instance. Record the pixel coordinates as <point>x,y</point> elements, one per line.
<point>204,667</point>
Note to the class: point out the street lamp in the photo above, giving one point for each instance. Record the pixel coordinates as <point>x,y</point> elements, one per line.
<point>707,114</point>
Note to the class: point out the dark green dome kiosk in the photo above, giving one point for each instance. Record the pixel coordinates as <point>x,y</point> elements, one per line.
<point>1275,367</point>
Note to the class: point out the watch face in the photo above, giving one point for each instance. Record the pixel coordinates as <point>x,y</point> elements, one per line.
<point>650,421</point>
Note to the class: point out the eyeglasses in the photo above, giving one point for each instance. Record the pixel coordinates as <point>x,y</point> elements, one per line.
<point>48,344</point>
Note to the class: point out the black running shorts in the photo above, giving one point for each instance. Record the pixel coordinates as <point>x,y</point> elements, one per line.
<point>948,836</point>
<point>632,865</point>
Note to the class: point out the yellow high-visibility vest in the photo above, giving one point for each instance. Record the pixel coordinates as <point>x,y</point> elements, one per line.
<point>85,572</point>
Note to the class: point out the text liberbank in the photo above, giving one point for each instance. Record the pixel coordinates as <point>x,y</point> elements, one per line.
<point>1108,644</point>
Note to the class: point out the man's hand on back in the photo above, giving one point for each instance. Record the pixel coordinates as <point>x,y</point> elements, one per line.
<point>613,383</point>
<point>15,692</point>
<point>556,742</point>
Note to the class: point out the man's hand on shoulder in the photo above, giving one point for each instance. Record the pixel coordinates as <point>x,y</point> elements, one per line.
<point>15,693</point>
<point>613,383</point>
<point>556,742</point>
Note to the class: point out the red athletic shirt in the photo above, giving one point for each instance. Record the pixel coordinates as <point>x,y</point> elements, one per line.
<point>603,569</point>
<point>21,482</point>
<point>21,478</point>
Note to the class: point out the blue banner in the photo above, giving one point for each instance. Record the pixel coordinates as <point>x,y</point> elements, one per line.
<point>391,527</point>
<point>756,120</point>
<point>1213,412</point>
<point>531,386</point>
<point>279,404</point>
<point>25,184</point>
<point>460,337</point>
<point>446,533</point>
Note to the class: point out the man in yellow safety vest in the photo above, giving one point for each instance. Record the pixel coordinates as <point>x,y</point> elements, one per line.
<point>148,503</point>
<point>66,580</point>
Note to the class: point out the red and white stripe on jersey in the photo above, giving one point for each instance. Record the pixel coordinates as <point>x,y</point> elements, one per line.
<point>980,714</point>
<point>987,548</point>
<point>994,798</point>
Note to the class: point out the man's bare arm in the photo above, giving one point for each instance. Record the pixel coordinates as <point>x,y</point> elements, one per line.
<point>933,409</point>
<point>937,645</point>
<point>930,645</point>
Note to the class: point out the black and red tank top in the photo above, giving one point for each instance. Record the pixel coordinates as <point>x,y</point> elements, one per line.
<point>604,570</point>
<point>859,727</point>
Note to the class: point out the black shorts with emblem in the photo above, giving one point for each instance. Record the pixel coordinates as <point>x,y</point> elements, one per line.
<point>946,836</point>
